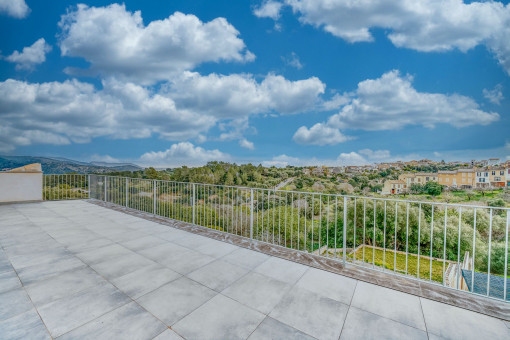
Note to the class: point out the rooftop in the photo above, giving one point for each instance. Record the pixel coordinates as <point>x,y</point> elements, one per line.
<point>74,270</point>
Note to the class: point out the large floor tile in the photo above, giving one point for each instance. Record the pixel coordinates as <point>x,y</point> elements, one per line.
<point>65,314</point>
<point>173,301</point>
<point>219,318</point>
<point>8,281</point>
<point>275,330</point>
<point>258,291</point>
<point>148,241</point>
<point>311,313</point>
<point>5,265</point>
<point>164,252</point>
<point>27,325</point>
<point>333,286</point>
<point>451,322</point>
<point>168,335</point>
<point>366,326</point>
<point>389,303</point>
<point>32,259</point>
<point>40,272</point>
<point>14,302</point>
<point>122,265</point>
<point>127,322</point>
<point>213,248</point>
<point>218,275</point>
<point>246,258</point>
<point>104,253</point>
<point>65,284</point>
<point>186,262</point>
<point>145,280</point>
<point>282,270</point>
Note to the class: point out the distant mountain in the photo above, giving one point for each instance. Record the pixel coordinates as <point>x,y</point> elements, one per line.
<point>57,165</point>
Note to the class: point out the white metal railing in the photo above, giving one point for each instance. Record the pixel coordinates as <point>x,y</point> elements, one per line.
<point>416,239</point>
<point>65,187</point>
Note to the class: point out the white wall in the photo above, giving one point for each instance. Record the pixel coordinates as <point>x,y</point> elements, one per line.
<point>20,186</point>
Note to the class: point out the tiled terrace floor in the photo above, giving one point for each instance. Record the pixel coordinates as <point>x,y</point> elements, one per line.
<point>74,270</point>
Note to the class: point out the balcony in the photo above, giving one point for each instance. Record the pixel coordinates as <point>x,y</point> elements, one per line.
<point>139,259</point>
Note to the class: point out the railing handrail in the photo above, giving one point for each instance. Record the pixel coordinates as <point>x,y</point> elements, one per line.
<point>458,205</point>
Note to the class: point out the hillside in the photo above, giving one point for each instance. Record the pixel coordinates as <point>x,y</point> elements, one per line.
<point>63,165</point>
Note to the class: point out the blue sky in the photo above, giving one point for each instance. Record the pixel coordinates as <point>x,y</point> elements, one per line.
<point>275,82</point>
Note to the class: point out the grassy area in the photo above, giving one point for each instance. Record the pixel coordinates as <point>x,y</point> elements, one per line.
<point>457,196</point>
<point>412,263</point>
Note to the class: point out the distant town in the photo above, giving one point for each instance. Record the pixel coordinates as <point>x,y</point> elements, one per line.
<point>477,174</point>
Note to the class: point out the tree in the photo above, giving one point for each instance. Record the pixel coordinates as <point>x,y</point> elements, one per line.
<point>151,173</point>
<point>470,194</point>
<point>433,188</point>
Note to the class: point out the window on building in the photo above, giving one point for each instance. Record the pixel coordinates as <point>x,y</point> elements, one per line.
<point>493,173</point>
<point>502,172</point>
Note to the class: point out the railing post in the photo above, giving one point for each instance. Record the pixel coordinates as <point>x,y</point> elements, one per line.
<point>154,197</point>
<point>88,184</point>
<point>127,197</point>
<point>193,202</point>
<point>345,230</point>
<point>105,192</point>
<point>251,214</point>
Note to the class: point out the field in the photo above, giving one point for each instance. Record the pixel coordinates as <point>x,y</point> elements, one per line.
<point>412,262</point>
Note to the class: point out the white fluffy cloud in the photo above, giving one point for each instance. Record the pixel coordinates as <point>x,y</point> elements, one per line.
<point>375,154</point>
<point>184,153</point>
<point>30,56</point>
<point>117,43</point>
<point>390,102</point>
<point>426,25</point>
<point>495,95</point>
<point>14,8</point>
<point>319,134</point>
<point>244,143</point>
<point>238,95</point>
<point>351,158</point>
<point>282,161</point>
<point>362,157</point>
<point>72,111</point>
<point>268,9</point>
<point>293,61</point>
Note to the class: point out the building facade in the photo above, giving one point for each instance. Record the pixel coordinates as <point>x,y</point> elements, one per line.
<point>492,178</point>
<point>393,187</point>
<point>458,179</point>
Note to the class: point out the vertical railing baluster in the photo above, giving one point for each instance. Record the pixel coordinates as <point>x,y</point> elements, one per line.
<point>444,242</point>
<point>344,232</point>
<point>431,241</point>
<point>373,235</point>
<point>407,235</point>
<point>364,227</point>
<point>489,259</point>
<point>419,235</point>
<point>251,214</point>
<point>458,250</point>
<point>384,238</point>
<point>474,254</point>
<point>506,257</point>
<point>395,240</point>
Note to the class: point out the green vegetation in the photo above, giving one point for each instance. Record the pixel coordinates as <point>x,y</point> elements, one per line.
<point>308,222</point>
<point>390,260</point>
